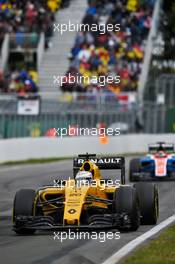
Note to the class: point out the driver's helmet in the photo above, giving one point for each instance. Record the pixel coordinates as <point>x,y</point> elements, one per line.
<point>84,177</point>
<point>161,154</point>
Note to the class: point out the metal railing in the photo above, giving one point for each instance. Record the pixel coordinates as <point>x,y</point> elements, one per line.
<point>56,102</point>
<point>155,118</point>
<point>165,86</point>
<point>161,89</point>
<point>23,41</point>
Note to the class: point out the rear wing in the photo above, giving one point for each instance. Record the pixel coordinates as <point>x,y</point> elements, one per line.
<point>168,147</point>
<point>103,163</point>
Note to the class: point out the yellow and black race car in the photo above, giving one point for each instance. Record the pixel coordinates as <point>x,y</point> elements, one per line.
<point>87,201</point>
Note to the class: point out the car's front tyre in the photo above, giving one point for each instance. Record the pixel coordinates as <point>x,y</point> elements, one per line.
<point>149,202</point>
<point>126,201</point>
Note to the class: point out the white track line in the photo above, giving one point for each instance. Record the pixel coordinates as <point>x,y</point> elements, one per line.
<point>136,242</point>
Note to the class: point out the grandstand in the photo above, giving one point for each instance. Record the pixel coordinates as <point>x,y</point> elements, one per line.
<point>55,60</point>
<point>26,31</point>
<point>115,52</point>
<point>140,52</point>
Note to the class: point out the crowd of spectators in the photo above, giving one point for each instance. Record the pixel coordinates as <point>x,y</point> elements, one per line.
<point>114,52</point>
<point>22,17</point>
<point>21,82</point>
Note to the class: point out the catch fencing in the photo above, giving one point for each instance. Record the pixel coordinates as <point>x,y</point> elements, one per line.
<point>85,113</point>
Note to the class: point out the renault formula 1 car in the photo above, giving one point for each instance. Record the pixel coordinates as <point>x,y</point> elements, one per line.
<point>158,164</point>
<point>87,201</point>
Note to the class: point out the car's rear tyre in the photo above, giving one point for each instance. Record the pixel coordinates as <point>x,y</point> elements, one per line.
<point>133,169</point>
<point>126,201</point>
<point>24,206</point>
<point>149,202</point>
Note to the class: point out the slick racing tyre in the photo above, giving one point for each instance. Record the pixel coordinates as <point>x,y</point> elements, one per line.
<point>133,169</point>
<point>23,206</point>
<point>149,202</point>
<point>126,201</point>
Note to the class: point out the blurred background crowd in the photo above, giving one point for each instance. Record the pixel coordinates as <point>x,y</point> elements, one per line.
<point>140,51</point>
<point>113,53</point>
<point>93,53</point>
<point>25,20</point>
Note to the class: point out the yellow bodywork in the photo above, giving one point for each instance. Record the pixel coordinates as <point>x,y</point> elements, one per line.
<point>75,196</point>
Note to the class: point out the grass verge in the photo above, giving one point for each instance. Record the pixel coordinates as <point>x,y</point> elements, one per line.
<point>159,251</point>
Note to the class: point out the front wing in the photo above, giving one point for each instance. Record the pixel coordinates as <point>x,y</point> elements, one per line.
<point>47,223</point>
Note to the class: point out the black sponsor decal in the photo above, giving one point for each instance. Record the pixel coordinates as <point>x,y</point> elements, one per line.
<point>72,211</point>
<point>75,194</point>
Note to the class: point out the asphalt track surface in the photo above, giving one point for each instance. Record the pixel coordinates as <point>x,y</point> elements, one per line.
<point>41,247</point>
